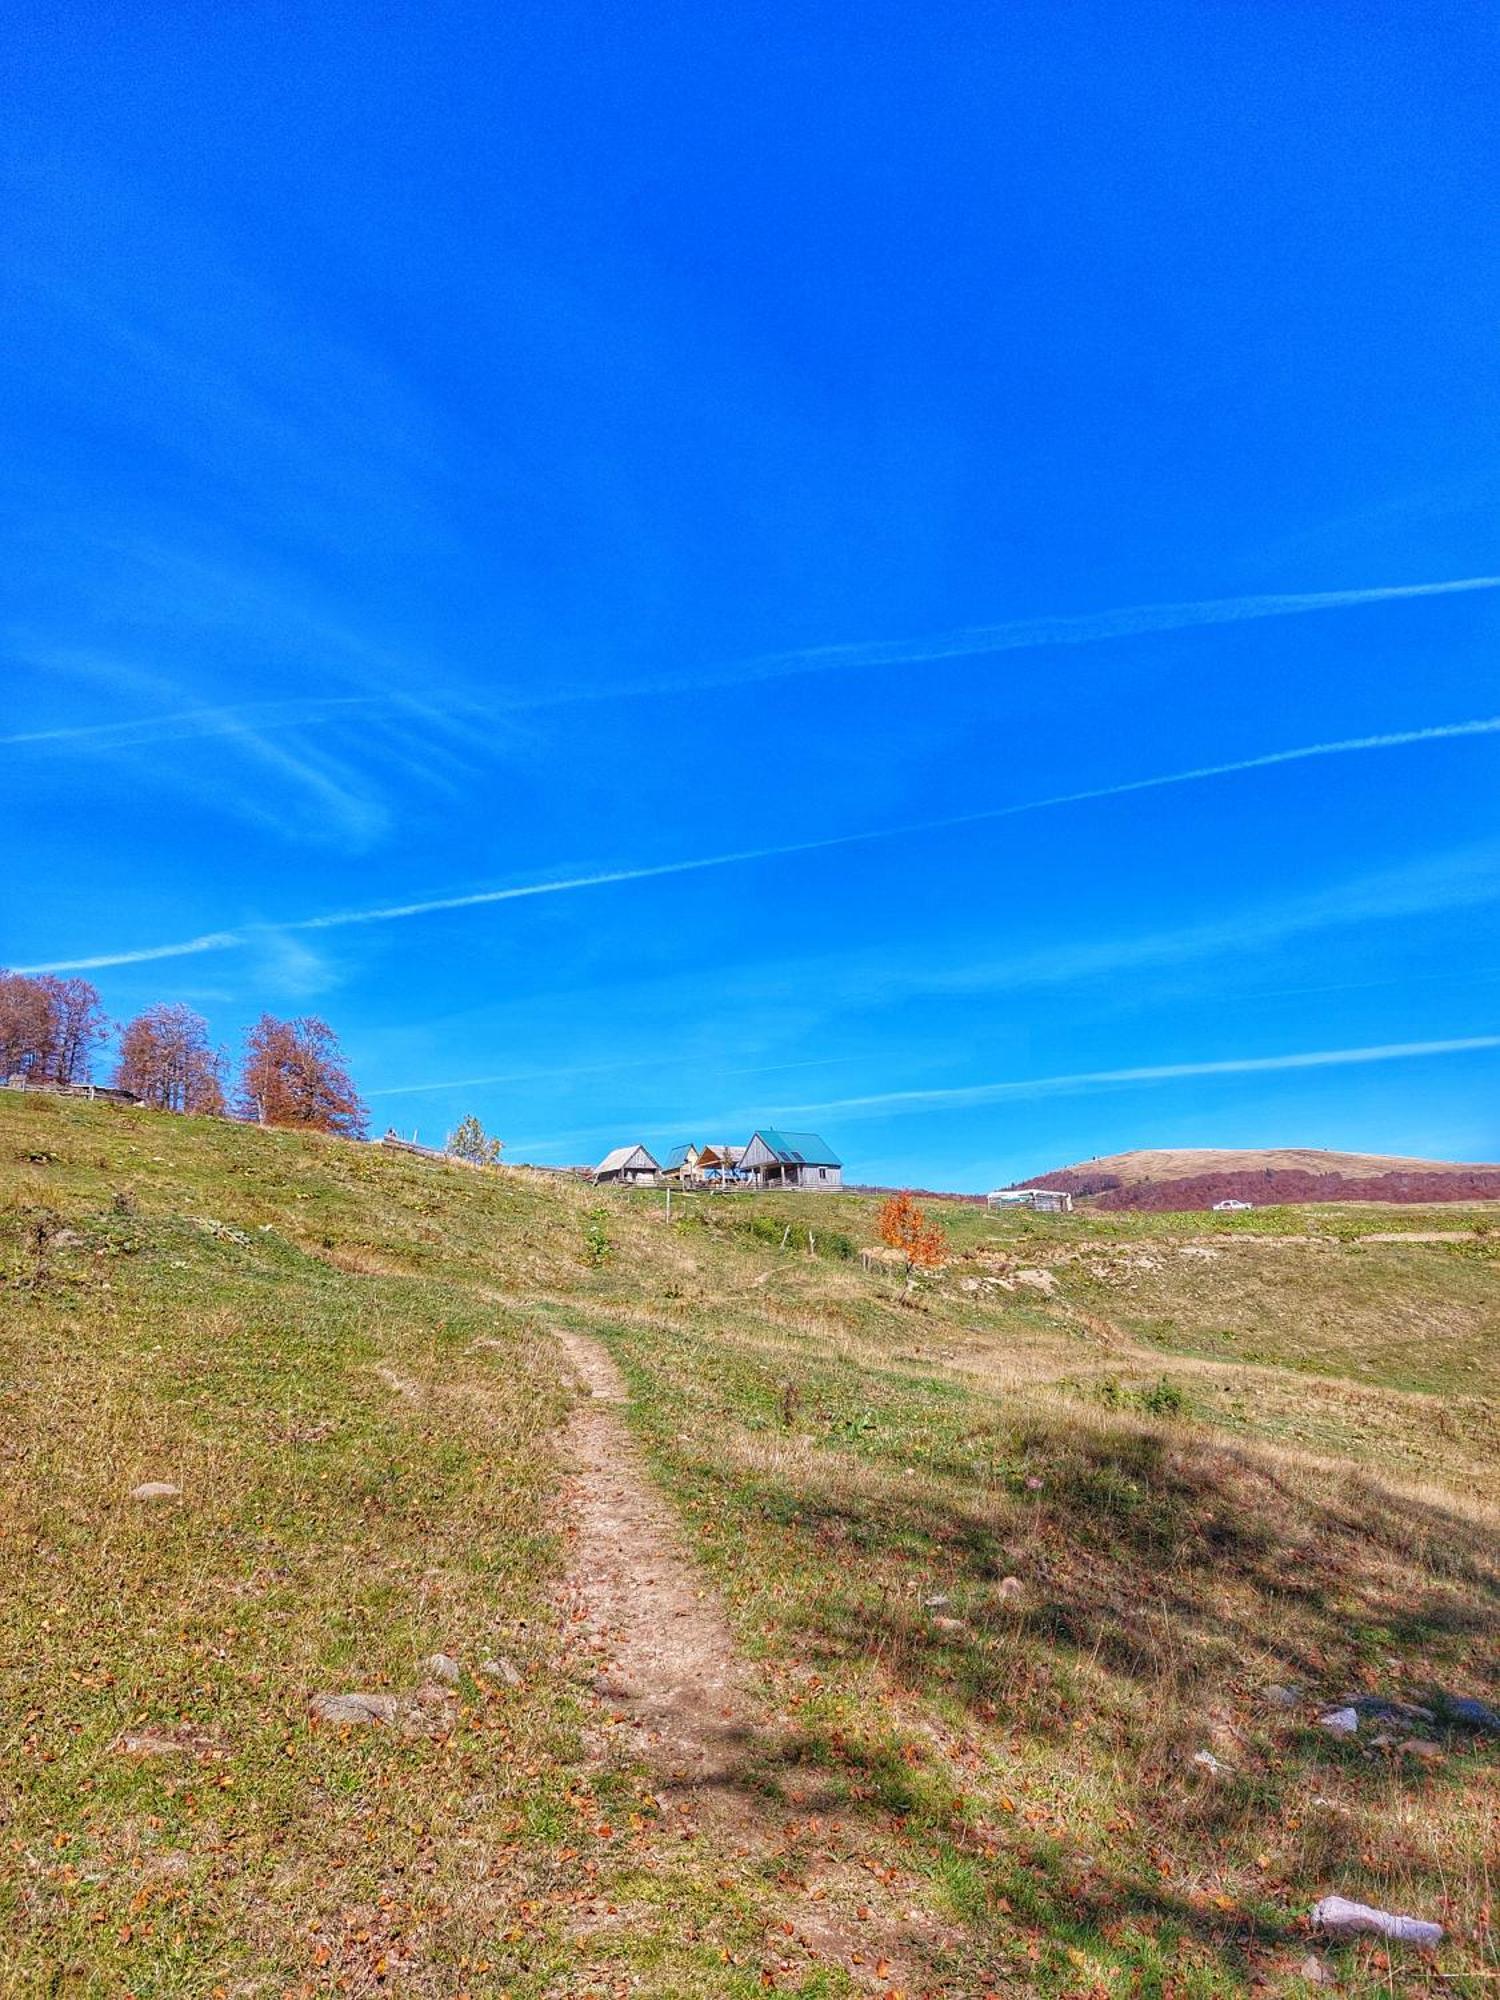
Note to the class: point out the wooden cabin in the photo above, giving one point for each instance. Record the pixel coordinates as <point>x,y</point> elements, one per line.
<point>632,1165</point>
<point>791,1159</point>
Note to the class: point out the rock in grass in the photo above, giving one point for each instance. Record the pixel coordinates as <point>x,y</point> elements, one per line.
<point>1315,1972</point>
<point>1208,1761</point>
<point>443,1667</point>
<point>500,1669</point>
<point>357,1709</point>
<point>1380,1708</point>
<point>1339,1918</point>
<point>1470,1714</point>
<point>1282,1697</point>
<point>1340,1722</point>
<point>1009,1586</point>
<point>156,1489</point>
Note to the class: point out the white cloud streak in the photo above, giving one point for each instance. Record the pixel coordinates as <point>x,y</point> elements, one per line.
<point>965,1096</point>
<point>181,724</point>
<point>224,940</point>
<point>566,1071</point>
<point>1014,635</point>
<point>1018,635</point>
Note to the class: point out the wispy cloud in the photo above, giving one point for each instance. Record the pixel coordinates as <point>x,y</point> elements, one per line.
<point>962,1096</point>
<point>181,724</point>
<point>1015,635</point>
<point>1461,878</point>
<point>223,940</point>
<point>896,1103</point>
<point>565,1071</point>
<point>1018,635</point>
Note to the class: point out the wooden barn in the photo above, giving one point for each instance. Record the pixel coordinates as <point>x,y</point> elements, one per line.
<point>791,1159</point>
<point>631,1164</point>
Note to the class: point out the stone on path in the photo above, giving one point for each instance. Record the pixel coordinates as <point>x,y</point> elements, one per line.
<point>354,1708</point>
<point>1340,1918</point>
<point>156,1489</point>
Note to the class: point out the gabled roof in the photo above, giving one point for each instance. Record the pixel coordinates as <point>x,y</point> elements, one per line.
<point>623,1157</point>
<point>679,1155</point>
<point>720,1152</point>
<point>797,1149</point>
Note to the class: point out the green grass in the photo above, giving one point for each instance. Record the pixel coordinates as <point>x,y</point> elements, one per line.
<point>1278,1464</point>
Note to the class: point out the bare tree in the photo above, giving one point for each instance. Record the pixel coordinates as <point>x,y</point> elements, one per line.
<point>166,1059</point>
<point>294,1074</point>
<point>81,1027</point>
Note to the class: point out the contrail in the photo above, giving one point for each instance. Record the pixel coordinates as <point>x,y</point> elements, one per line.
<point>391,912</point>
<point>898,1101</point>
<point>1398,739</point>
<point>1081,628</point>
<point>589,1069</point>
<point>1016,635</point>
<point>609,878</point>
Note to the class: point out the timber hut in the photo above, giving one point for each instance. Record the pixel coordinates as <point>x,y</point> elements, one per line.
<point>791,1159</point>
<point>631,1164</point>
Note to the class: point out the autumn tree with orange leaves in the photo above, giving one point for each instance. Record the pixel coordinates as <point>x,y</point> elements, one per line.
<point>167,1061</point>
<point>904,1227</point>
<point>294,1074</point>
<point>49,1027</point>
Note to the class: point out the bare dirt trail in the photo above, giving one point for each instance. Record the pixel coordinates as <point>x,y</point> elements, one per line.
<point>666,1667</point>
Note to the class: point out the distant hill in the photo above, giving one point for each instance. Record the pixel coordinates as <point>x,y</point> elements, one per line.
<point>1197,1177</point>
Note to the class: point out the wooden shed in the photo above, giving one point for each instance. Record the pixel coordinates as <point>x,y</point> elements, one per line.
<point>632,1164</point>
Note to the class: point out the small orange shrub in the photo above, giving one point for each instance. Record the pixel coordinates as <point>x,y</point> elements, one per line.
<point>905,1228</point>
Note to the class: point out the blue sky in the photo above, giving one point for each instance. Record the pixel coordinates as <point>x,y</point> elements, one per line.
<point>483,450</point>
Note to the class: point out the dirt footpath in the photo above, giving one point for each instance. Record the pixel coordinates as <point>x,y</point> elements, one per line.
<point>666,1667</point>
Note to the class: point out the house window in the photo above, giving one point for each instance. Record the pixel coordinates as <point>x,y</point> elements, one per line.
<point>822,1173</point>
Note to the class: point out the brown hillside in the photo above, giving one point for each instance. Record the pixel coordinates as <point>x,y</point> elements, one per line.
<point>1189,1177</point>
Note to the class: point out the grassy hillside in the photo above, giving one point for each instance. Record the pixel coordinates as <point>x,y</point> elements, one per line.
<point>1006,1551</point>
